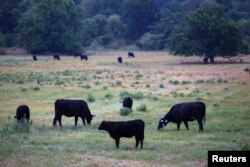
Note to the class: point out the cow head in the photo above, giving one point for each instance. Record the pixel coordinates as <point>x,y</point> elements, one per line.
<point>89,119</point>
<point>102,126</point>
<point>163,122</point>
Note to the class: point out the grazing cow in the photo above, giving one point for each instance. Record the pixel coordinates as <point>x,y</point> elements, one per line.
<point>184,112</point>
<point>56,57</point>
<point>72,108</point>
<point>205,60</point>
<point>127,129</point>
<point>128,102</point>
<point>84,57</point>
<point>119,60</point>
<point>22,112</point>
<point>247,70</point>
<point>34,57</point>
<point>131,54</point>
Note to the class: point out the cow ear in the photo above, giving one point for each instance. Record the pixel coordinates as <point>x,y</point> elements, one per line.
<point>93,115</point>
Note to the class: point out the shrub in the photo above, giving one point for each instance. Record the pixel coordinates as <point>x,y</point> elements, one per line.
<point>87,86</point>
<point>161,86</point>
<point>90,97</point>
<point>142,107</point>
<point>35,88</point>
<point>186,82</point>
<point>125,111</point>
<point>108,96</point>
<point>175,82</point>
<point>118,83</point>
<point>199,81</point>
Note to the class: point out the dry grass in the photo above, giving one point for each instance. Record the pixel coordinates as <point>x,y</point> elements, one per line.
<point>224,87</point>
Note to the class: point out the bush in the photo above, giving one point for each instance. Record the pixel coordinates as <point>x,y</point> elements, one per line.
<point>90,97</point>
<point>35,88</point>
<point>108,96</point>
<point>161,86</point>
<point>125,111</point>
<point>175,82</point>
<point>199,81</point>
<point>186,82</point>
<point>2,52</point>
<point>142,107</point>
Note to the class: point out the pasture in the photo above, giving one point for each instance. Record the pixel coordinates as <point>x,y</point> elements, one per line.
<point>155,80</point>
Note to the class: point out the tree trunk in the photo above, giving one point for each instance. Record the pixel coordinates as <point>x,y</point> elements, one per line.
<point>211,59</point>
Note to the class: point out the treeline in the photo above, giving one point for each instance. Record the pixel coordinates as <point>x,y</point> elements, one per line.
<point>69,25</point>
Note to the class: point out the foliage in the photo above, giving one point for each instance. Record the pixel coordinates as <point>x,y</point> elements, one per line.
<point>63,25</point>
<point>125,111</point>
<point>142,107</point>
<point>52,25</point>
<point>209,33</point>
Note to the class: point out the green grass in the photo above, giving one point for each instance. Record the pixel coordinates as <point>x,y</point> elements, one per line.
<point>38,85</point>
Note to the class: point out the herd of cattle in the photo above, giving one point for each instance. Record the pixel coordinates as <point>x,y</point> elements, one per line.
<point>82,56</point>
<point>182,112</point>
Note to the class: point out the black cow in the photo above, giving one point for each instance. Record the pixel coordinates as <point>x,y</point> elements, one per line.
<point>72,108</point>
<point>128,102</point>
<point>184,112</point>
<point>127,129</point>
<point>22,112</point>
<point>119,60</point>
<point>84,57</point>
<point>56,57</point>
<point>34,57</point>
<point>205,60</point>
<point>131,54</point>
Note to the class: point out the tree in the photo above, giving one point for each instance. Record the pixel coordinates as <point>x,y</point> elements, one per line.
<point>115,26</point>
<point>52,25</point>
<point>208,33</point>
<point>138,15</point>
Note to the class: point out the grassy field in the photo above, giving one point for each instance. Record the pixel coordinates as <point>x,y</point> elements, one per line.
<point>155,80</point>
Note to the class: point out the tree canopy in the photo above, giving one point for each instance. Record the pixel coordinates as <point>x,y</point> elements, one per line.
<point>66,25</point>
<point>52,25</point>
<point>208,33</point>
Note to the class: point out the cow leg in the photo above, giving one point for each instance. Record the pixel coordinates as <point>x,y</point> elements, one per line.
<point>76,119</point>
<point>60,121</point>
<point>186,124</point>
<point>136,142</point>
<point>55,119</point>
<point>83,121</point>
<point>141,144</point>
<point>200,125</point>
<point>117,141</point>
<point>178,125</point>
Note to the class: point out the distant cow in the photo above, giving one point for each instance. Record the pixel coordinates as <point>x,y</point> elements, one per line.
<point>205,60</point>
<point>247,70</point>
<point>34,57</point>
<point>84,57</point>
<point>72,108</point>
<point>22,112</point>
<point>128,102</point>
<point>119,60</point>
<point>184,112</point>
<point>56,57</point>
<point>131,54</point>
<point>127,129</point>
